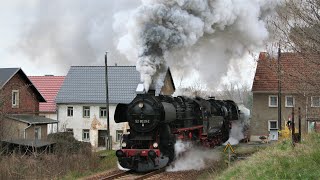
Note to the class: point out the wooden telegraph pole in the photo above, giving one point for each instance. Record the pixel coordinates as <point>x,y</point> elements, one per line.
<point>109,140</point>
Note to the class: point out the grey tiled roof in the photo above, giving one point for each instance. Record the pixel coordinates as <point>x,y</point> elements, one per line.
<point>32,119</point>
<point>6,74</point>
<point>86,84</point>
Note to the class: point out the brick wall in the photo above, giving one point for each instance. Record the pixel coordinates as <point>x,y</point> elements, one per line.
<point>28,102</point>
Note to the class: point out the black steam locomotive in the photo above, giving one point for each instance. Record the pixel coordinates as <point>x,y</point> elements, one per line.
<point>156,122</point>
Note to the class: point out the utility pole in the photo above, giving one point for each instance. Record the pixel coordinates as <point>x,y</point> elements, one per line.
<point>293,128</point>
<point>299,111</point>
<point>279,89</point>
<point>109,144</point>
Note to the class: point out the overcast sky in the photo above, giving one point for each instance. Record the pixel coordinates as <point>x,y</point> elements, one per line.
<point>47,37</point>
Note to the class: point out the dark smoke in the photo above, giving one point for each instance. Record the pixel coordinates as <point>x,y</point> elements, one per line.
<point>205,34</point>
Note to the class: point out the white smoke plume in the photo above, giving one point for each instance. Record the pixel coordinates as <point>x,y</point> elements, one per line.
<point>238,127</point>
<point>189,157</point>
<point>74,32</point>
<point>192,34</point>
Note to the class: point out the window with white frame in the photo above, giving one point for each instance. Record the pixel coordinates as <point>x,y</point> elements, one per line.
<point>315,101</point>
<point>15,98</point>
<point>85,134</point>
<point>86,111</point>
<point>289,101</point>
<point>103,112</point>
<point>69,111</point>
<point>273,125</point>
<point>118,135</point>
<point>273,101</point>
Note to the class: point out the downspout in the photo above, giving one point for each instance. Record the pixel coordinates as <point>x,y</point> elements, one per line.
<point>57,118</point>
<point>24,131</point>
<point>306,115</point>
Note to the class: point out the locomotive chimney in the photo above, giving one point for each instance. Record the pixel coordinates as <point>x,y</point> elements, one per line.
<point>140,90</point>
<point>152,92</point>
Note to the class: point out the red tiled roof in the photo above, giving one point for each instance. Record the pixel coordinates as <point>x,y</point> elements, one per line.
<point>48,87</point>
<point>295,69</point>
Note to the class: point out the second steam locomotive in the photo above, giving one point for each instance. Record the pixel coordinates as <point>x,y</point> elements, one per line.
<point>156,122</point>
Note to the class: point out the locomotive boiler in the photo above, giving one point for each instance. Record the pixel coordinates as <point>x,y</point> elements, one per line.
<point>156,122</point>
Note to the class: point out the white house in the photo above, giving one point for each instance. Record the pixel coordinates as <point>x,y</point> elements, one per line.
<point>81,101</point>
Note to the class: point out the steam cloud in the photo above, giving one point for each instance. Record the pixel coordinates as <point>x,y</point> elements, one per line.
<point>194,34</point>
<point>238,127</point>
<point>189,157</point>
<point>74,32</point>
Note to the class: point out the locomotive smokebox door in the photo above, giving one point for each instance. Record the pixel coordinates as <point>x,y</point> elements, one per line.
<point>120,114</point>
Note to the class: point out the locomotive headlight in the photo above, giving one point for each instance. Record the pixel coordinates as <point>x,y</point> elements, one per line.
<point>155,145</point>
<point>140,104</point>
<point>124,144</point>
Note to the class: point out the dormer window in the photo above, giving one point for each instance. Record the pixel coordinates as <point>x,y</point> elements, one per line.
<point>15,98</point>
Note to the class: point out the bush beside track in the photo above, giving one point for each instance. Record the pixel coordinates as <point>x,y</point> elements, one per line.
<point>71,159</point>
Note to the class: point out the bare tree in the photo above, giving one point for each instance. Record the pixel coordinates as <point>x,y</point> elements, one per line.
<point>194,89</point>
<point>296,29</point>
<point>239,93</point>
<point>297,25</point>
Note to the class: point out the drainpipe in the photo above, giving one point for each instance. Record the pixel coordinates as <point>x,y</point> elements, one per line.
<point>306,115</point>
<point>24,131</point>
<point>58,118</point>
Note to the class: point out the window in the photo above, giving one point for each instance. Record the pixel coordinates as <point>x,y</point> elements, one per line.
<point>103,112</point>
<point>70,130</point>
<point>85,134</point>
<point>273,125</point>
<point>69,111</point>
<point>37,132</point>
<point>15,98</point>
<point>289,101</point>
<point>273,101</point>
<point>86,111</point>
<point>119,135</point>
<point>315,101</point>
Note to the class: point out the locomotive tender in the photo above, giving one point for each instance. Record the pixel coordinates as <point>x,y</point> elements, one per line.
<point>156,122</point>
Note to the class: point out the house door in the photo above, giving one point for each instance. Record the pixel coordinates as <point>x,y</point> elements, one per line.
<point>102,135</point>
<point>273,135</point>
<point>37,132</point>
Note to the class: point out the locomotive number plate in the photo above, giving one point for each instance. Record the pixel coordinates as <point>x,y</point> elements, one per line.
<point>142,121</point>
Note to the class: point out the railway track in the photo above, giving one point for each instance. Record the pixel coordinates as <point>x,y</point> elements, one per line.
<point>132,175</point>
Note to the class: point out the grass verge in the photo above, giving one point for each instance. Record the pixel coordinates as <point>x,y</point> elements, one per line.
<point>280,161</point>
